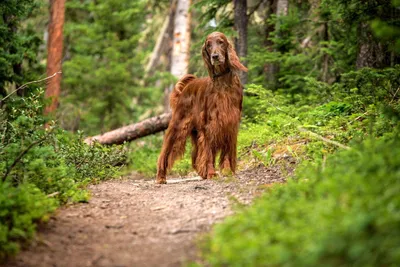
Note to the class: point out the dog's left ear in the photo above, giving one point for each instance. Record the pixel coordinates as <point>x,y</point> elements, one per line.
<point>233,59</point>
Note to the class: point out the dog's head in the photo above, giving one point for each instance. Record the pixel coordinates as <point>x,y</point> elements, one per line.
<point>219,55</point>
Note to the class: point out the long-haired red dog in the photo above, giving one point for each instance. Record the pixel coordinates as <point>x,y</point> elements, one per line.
<point>208,110</point>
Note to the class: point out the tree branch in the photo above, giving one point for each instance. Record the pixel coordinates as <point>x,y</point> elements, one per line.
<point>26,84</point>
<point>18,159</point>
<point>301,129</point>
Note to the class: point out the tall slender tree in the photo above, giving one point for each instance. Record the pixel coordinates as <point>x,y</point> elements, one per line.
<point>180,45</point>
<point>241,22</point>
<point>55,51</point>
<point>281,8</point>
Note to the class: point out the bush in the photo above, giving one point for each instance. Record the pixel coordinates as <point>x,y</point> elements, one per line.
<point>20,208</point>
<point>344,212</point>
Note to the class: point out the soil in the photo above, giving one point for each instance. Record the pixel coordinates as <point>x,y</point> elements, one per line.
<point>135,222</point>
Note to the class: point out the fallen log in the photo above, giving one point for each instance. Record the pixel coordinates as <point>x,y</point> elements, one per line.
<point>134,131</point>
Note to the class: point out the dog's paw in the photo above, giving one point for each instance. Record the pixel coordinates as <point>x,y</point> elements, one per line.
<point>161,180</point>
<point>211,174</point>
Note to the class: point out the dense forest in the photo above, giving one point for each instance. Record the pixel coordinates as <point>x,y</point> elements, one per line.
<point>321,103</point>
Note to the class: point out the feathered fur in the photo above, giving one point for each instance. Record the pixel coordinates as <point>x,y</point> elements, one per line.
<point>208,110</point>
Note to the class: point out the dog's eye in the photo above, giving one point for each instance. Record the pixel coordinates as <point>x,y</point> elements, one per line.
<point>220,42</point>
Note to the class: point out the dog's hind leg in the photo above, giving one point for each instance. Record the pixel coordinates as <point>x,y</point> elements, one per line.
<point>162,164</point>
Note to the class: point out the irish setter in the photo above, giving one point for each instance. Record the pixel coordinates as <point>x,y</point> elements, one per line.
<point>208,110</point>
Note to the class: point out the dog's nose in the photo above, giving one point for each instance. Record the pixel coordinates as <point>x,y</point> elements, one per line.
<point>215,56</point>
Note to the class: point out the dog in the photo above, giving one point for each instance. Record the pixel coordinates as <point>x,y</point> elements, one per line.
<point>208,110</point>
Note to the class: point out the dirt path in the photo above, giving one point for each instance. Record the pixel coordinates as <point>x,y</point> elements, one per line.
<point>134,222</point>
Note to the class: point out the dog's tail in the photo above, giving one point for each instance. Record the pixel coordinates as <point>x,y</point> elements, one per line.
<point>180,85</point>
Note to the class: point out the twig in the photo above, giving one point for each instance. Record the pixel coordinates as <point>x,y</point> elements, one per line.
<point>394,96</point>
<point>53,194</point>
<point>26,84</point>
<point>23,154</point>
<point>359,117</point>
<point>301,129</point>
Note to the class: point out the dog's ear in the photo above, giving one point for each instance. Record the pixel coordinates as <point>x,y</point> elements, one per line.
<point>207,59</point>
<point>233,59</point>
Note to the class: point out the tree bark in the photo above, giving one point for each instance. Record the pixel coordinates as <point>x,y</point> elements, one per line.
<point>54,52</point>
<point>134,131</point>
<point>325,62</point>
<point>269,28</point>
<point>180,46</point>
<point>281,7</point>
<point>163,40</point>
<point>371,53</point>
<point>241,21</point>
<point>158,48</point>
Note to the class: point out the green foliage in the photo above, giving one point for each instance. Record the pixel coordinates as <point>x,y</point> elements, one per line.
<point>95,162</point>
<point>374,85</point>
<point>144,154</point>
<point>20,208</point>
<point>364,104</point>
<point>19,44</point>
<point>216,15</point>
<point>107,50</point>
<point>344,212</point>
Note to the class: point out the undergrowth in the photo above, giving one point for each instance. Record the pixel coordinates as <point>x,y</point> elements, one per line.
<point>341,212</point>
<point>41,169</point>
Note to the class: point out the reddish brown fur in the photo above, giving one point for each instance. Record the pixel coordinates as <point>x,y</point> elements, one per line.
<point>208,110</point>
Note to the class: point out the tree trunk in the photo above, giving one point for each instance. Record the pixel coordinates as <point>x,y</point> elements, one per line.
<point>180,46</point>
<point>54,52</point>
<point>134,131</point>
<point>162,43</point>
<point>281,7</point>
<point>325,62</point>
<point>371,53</point>
<point>269,28</point>
<point>241,21</point>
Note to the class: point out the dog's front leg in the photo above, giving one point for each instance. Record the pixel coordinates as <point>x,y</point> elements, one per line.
<point>204,160</point>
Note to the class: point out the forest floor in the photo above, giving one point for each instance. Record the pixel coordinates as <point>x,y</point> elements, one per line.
<point>135,222</point>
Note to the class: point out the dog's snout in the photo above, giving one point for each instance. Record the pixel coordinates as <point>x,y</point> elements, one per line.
<point>215,56</point>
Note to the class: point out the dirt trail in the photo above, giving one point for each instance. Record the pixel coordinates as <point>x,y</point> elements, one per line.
<point>134,222</point>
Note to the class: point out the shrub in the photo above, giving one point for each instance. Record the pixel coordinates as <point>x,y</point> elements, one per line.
<point>20,208</point>
<point>344,212</point>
